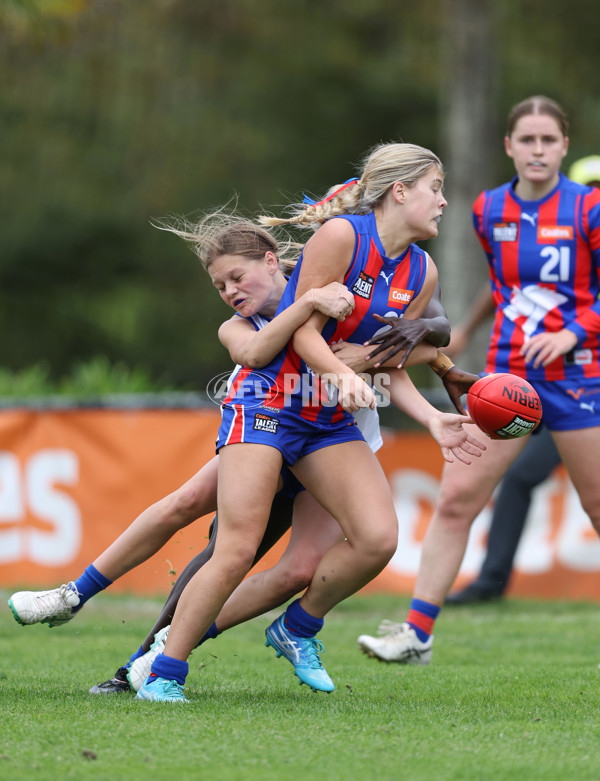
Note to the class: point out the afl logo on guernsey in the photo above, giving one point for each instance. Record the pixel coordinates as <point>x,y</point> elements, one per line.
<point>505,231</point>
<point>400,297</point>
<point>363,286</point>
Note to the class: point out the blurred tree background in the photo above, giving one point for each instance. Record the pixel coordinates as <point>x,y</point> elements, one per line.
<point>115,114</point>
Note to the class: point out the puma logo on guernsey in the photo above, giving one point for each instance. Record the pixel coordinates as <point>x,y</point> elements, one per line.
<point>530,218</point>
<point>363,286</point>
<point>387,277</point>
<point>590,406</point>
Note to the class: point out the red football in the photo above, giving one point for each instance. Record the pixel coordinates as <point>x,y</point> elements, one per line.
<point>504,406</point>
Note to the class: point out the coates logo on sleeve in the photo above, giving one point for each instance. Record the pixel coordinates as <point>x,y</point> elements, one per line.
<point>547,233</point>
<point>363,286</point>
<point>400,297</point>
<point>505,231</point>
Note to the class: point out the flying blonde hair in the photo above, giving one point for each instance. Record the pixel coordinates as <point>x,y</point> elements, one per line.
<point>222,232</point>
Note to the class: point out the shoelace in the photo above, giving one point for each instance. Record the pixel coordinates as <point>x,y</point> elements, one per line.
<point>161,641</point>
<point>387,627</point>
<point>47,601</point>
<point>173,687</point>
<point>312,649</point>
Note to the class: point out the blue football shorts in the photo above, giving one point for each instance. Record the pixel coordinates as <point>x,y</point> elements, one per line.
<point>569,405</point>
<point>293,436</point>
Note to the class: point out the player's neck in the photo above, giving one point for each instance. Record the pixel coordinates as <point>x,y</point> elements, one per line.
<point>394,238</point>
<point>534,191</point>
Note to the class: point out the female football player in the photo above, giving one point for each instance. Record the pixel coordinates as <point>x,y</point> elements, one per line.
<point>366,241</point>
<point>541,236</point>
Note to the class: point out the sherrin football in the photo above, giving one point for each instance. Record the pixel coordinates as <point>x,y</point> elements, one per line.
<point>504,406</point>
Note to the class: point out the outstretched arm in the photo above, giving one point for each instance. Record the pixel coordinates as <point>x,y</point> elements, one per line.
<point>446,428</point>
<point>456,381</point>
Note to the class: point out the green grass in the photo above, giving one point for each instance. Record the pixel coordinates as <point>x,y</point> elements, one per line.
<point>512,693</point>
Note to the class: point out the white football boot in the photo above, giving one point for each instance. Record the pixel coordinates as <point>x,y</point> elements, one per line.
<point>53,607</point>
<point>139,669</point>
<point>397,643</point>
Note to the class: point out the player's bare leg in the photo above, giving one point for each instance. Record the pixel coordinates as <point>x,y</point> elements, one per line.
<point>464,492</point>
<point>579,453</point>
<point>248,477</point>
<point>361,501</point>
<point>314,532</point>
<point>144,537</point>
<point>159,522</point>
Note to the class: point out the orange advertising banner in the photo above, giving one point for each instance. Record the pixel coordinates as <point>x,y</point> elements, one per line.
<point>71,481</point>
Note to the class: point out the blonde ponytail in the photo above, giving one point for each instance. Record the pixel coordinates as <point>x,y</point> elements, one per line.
<point>381,167</point>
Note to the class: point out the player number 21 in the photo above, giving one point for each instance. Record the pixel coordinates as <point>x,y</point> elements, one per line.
<point>556,268</point>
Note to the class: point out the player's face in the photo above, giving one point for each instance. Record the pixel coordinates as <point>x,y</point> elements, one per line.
<point>424,203</point>
<point>247,285</point>
<point>537,146</point>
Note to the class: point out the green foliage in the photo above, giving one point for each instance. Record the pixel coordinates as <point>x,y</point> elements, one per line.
<point>30,381</point>
<point>100,377</point>
<point>510,694</point>
<point>94,378</point>
<point>145,109</point>
<point>24,18</point>
<point>114,114</point>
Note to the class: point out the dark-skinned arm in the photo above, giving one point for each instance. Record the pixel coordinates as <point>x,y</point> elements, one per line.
<point>405,333</point>
<point>455,380</point>
<point>433,327</point>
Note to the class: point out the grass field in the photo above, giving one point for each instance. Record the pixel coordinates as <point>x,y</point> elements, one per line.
<point>512,693</point>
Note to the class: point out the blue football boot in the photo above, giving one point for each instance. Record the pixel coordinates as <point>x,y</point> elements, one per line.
<point>161,690</point>
<point>303,653</point>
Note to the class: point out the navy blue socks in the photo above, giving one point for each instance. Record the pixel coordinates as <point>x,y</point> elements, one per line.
<point>88,584</point>
<point>135,655</point>
<point>171,669</point>
<point>210,633</point>
<point>299,622</point>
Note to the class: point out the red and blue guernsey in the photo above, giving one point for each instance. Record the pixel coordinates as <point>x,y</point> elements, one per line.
<point>544,265</point>
<point>380,285</point>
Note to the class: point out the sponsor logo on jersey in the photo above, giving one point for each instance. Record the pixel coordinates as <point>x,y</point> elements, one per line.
<point>553,232</point>
<point>581,357</point>
<point>400,297</point>
<point>363,286</point>
<point>505,231</point>
<point>387,277</point>
<point>265,423</point>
